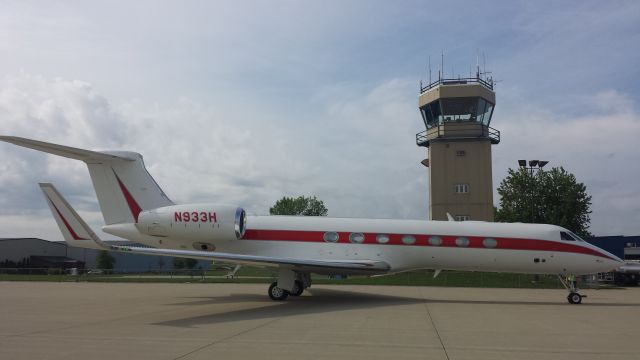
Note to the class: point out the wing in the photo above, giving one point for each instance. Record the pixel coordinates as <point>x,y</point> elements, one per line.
<point>352,266</point>
<point>78,234</point>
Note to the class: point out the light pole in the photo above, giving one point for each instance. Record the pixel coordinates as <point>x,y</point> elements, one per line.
<point>533,165</point>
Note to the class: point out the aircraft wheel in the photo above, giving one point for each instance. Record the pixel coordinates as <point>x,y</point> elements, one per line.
<point>298,288</point>
<point>574,298</point>
<point>276,293</point>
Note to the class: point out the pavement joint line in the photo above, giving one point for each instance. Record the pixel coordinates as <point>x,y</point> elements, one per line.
<point>523,350</point>
<point>215,342</point>
<point>348,344</point>
<point>435,328</point>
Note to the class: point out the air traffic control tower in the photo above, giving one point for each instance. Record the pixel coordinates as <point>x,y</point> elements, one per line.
<point>457,114</point>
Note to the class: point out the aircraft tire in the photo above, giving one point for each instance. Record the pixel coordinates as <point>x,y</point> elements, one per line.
<point>574,298</point>
<point>298,289</point>
<point>276,293</point>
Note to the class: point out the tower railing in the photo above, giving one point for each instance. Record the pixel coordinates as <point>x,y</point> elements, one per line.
<point>457,81</point>
<point>458,131</point>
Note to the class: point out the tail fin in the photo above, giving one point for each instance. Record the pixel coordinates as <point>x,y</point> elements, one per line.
<point>122,183</point>
<point>75,231</point>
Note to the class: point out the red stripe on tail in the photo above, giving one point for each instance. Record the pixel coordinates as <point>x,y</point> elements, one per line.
<point>133,204</point>
<point>73,233</point>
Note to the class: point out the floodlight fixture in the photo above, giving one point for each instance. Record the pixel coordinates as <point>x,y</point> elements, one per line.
<point>542,163</point>
<point>522,163</point>
<point>533,163</point>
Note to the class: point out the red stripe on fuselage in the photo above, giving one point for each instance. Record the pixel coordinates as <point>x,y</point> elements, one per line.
<point>503,243</point>
<point>133,204</point>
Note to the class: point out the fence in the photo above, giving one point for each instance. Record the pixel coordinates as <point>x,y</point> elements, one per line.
<point>260,275</point>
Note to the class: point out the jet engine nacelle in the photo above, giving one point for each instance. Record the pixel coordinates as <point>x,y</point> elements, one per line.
<point>207,222</point>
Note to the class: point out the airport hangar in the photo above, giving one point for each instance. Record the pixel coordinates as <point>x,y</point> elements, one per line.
<point>38,253</point>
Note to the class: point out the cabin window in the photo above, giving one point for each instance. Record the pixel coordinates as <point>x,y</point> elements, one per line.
<point>489,243</point>
<point>435,241</point>
<point>356,238</point>
<point>409,239</point>
<point>462,242</point>
<point>331,236</point>
<point>382,238</point>
<point>462,217</point>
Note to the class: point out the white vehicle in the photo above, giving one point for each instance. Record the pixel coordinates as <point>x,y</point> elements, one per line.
<point>134,207</point>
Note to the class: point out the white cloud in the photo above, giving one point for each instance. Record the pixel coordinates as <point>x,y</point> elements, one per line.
<point>265,100</point>
<point>356,151</point>
<point>599,147</point>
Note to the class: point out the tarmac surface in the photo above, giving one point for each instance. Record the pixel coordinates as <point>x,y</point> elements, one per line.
<point>238,321</point>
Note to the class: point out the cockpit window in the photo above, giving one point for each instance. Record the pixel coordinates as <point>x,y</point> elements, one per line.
<point>566,236</point>
<point>578,238</point>
<point>569,236</point>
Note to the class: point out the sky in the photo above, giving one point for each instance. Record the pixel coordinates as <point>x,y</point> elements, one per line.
<point>245,102</point>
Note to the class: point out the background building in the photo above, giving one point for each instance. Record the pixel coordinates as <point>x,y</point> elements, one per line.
<point>20,252</point>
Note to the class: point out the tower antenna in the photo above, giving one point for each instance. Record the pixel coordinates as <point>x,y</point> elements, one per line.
<point>441,64</point>
<point>484,63</point>
<point>478,63</point>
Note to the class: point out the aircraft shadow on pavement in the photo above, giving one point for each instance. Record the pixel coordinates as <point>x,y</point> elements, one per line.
<point>322,300</point>
<point>330,300</point>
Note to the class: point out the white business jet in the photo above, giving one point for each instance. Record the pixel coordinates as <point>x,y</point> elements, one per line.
<point>135,208</point>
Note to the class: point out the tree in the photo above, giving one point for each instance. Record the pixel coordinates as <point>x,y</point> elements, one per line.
<point>184,263</point>
<point>178,263</point>
<point>548,197</point>
<point>104,260</point>
<point>302,205</point>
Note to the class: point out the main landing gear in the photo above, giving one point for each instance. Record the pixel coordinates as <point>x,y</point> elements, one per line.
<point>289,283</point>
<point>276,293</point>
<point>570,284</point>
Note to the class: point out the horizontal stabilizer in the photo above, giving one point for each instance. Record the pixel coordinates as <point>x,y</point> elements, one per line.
<point>122,183</point>
<point>75,231</point>
<point>87,156</point>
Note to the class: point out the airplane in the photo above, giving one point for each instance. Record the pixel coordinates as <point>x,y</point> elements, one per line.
<point>135,208</point>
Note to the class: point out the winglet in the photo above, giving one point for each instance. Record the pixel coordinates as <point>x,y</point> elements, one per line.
<point>75,231</point>
<point>450,218</point>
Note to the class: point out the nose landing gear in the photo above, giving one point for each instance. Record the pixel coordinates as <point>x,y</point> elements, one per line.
<point>574,298</point>
<point>570,284</point>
